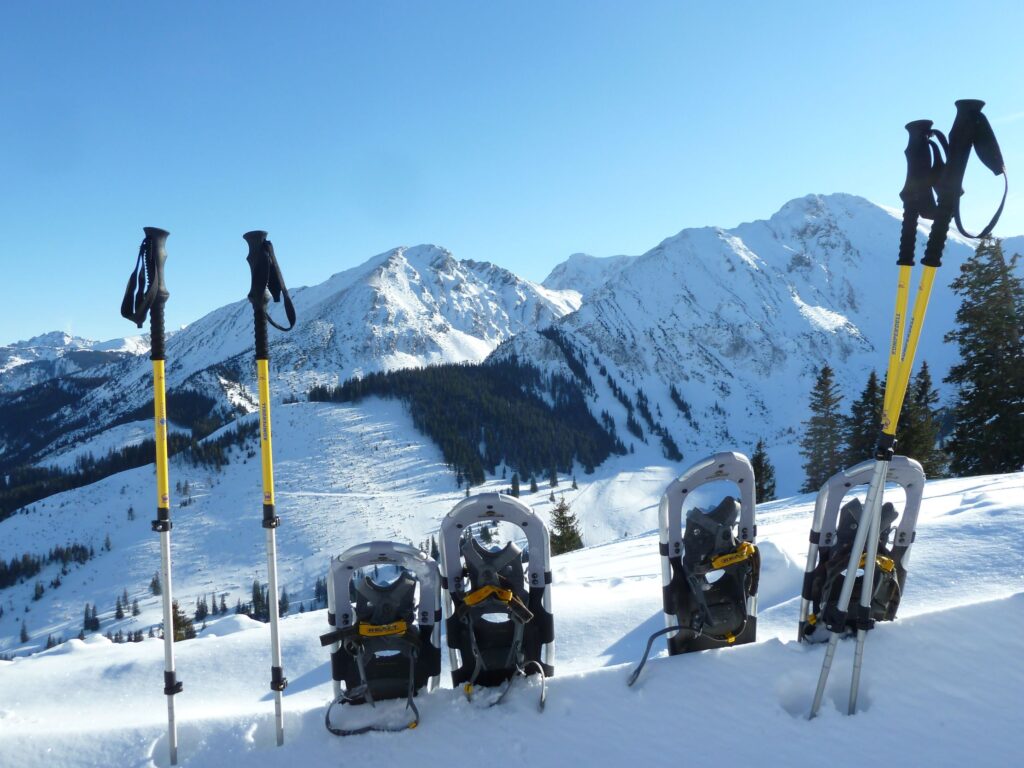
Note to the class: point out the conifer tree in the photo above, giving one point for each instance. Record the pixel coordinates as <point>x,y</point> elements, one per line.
<point>283,604</point>
<point>918,430</point>
<point>154,584</point>
<point>118,609</point>
<point>533,484</point>
<point>864,422</point>
<point>822,438</point>
<point>135,607</point>
<point>988,415</point>
<point>183,627</point>
<point>764,474</point>
<point>565,532</point>
<point>515,484</point>
<point>24,632</point>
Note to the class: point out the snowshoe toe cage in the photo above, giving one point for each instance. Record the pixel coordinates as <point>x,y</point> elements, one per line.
<point>497,613</point>
<point>385,637</point>
<point>832,539</point>
<point>710,569</point>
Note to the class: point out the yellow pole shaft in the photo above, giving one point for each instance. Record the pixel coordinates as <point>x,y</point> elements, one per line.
<point>163,493</point>
<point>266,453</point>
<point>898,329</point>
<point>899,379</point>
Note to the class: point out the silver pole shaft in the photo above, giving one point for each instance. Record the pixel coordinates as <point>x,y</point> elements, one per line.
<point>859,540</point>
<point>867,589</point>
<point>826,667</point>
<point>275,638</point>
<point>165,578</point>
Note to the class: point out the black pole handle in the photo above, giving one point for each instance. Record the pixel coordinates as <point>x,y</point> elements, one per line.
<point>918,199</point>
<point>266,277</point>
<point>971,130</point>
<point>146,292</point>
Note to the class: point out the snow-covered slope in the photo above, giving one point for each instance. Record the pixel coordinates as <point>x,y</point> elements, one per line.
<point>740,320</point>
<point>53,354</point>
<point>922,683</point>
<point>585,273</point>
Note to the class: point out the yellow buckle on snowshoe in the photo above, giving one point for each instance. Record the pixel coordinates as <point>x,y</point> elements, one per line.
<point>744,551</point>
<point>383,630</point>
<point>479,595</point>
<point>884,563</point>
<point>812,619</point>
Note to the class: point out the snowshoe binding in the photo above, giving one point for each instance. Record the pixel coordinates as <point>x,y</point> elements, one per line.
<point>497,614</point>
<point>710,568</point>
<point>832,535</point>
<point>386,636</point>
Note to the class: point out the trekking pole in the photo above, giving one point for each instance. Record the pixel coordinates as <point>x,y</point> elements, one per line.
<point>147,294</point>
<point>266,277</point>
<point>925,172</point>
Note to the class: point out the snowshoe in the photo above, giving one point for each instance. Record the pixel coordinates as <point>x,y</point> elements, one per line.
<point>497,613</point>
<point>832,536</point>
<point>386,632</point>
<point>710,568</point>
<point>709,573</point>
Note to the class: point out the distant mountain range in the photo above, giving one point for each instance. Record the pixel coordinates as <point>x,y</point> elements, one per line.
<point>736,321</point>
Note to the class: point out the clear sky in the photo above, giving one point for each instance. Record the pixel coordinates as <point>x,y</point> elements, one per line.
<point>514,132</point>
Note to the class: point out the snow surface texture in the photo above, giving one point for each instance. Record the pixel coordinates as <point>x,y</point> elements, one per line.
<point>941,685</point>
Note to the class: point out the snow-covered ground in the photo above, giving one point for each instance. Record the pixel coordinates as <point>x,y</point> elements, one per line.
<point>941,685</point>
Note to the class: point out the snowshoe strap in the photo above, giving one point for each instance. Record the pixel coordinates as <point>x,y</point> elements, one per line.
<point>362,693</point>
<point>647,652</point>
<point>486,567</point>
<point>743,552</point>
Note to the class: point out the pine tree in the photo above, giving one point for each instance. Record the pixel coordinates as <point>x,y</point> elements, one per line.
<point>515,484</point>
<point>118,609</point>
<point>223,606</point>
<point>822,438</point>
<point>988,415</point>
<point>154,584</point>
<point>135,607</point>
<point>24,632</point>
<point>764,474</point>
<point>283,604</point>
<point>565,532</point>
<point>533,484</point>
<point>183,627</point>
<point>864,422</point>
<point>918,429</point>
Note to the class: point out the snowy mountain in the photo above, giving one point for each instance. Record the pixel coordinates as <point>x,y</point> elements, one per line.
<point>25,363</point>
<point>740,320</point>
<point>403,308</point>
<point>585,274</point>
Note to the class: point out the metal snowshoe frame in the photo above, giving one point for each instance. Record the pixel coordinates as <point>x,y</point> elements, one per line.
<point>728,467</point>
<point>354,642</point>
<point>824,538</point>
<point>732,550</point>
<point>476,583</point>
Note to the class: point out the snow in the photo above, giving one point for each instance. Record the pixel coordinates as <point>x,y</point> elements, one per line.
<point>924,682</point>
<point>113,439</point>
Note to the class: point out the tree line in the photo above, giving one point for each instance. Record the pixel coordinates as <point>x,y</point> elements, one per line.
<point>483,415</point>
<point>986,418</point>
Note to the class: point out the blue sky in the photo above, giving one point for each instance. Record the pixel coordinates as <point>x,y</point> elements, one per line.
<point>515,132</point>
